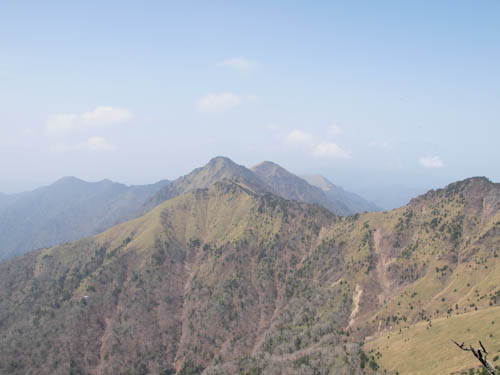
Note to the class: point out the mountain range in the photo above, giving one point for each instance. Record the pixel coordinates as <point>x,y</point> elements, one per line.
<point>264,177</point>
<point>230,278</point>
<point>66,210</point>
<point>71,209</point>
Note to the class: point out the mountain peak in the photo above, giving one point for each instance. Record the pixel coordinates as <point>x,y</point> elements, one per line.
<point>69,180</point>
<point>269,169</point>
<point>221,161</point>
<point>470,189</point>
<point>217,169</point>
<point>319,181</point>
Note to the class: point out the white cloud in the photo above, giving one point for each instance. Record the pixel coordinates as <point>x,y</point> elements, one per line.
<point>272,127</point>
<point>431,162</point>
<point>60,147</point>
<point>92,144</point>
<point>240,63</point>
<point>218,102</point>
<point>300,137</point>
<point>315,147</point>
<point>104,115</point>
<point>330,149</point>
<point>101,116</point>
<point>95,144</point>
<point>252,98</point>
<point>334,130</point>
<point>384,144</point>
<point>61,123</point>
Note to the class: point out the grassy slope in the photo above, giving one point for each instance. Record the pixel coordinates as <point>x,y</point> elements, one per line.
<point>427,348</point>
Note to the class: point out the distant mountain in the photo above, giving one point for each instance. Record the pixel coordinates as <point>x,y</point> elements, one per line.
<point>4,199</point>
<point>353,202</point>
<point>289,186</point>
<point>217,169</point>
<point>391,196</point>
<point>232,280</point>
<point>266,176</point>
<point>66,210</point>
<point>71,208</point>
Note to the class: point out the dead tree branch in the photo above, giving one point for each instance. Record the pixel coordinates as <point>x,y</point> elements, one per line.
<point>481,355</point>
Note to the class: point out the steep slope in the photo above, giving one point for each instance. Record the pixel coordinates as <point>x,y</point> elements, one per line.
<point>435,259</point>
<point>290,186</point>
<point>219,280</point>
<point>353,202</point>
<point>66,210</point>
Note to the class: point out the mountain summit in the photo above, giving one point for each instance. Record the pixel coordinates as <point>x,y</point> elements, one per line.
<point>217,169</point>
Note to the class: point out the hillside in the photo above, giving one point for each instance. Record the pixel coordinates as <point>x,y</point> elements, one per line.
<point>220,278</point>
<point>353,202</point>
<point>68,209</point>
<point>230,279</point>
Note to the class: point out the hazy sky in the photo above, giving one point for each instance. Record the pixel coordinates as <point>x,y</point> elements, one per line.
<point>368,93</point>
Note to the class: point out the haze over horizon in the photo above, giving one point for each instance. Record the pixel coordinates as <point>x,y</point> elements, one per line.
<point>370,97</point>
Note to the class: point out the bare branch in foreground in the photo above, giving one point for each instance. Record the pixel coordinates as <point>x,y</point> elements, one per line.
<point>481,354</point>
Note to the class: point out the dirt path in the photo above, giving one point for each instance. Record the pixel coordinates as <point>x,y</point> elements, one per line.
<point>356,298</point>
<point>382,265</point>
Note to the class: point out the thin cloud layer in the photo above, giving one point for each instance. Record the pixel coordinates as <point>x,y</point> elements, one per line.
<point>315,147</point>
<point>241,64</point>
<point>334,130</point>
<point>218,102</point>
<point>106,116</point>
<point>331,150</point>
<point>431,162</point>
<point>91,144</point>
<point>96,144</point>
<point>101,116</point>
<point>300,137</point>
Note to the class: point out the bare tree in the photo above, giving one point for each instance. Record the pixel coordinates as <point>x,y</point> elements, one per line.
<point>481,354</point>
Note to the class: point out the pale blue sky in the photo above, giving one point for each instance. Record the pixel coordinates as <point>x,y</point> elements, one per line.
<point>366,93</point>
